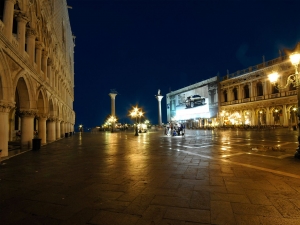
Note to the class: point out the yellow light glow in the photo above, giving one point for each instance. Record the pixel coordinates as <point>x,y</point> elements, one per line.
<point>273,77</point>
<point>295,58</point>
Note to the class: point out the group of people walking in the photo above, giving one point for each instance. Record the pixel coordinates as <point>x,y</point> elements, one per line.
<point>176,129</point>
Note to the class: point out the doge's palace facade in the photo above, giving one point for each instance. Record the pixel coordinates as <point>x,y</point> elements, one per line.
<point>249,98</point>
<point>36,71</point>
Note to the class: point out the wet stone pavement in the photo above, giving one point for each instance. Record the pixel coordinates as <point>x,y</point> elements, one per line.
<point>206,177</point>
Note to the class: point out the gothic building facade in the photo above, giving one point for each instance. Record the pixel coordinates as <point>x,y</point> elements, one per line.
<point>247,97</point>
<point>36,71</point>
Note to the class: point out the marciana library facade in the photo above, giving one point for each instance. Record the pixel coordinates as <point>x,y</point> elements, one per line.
<point>36,71</point>
<point>246,97</point>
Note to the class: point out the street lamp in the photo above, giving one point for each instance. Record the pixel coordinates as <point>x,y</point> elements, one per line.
<point>135,113</point>
<point>295,81</point>
<point>112,120</point>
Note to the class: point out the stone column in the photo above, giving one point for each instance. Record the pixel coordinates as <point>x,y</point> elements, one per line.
<point>253,118</point>
<point>284,114</point>
<point>8,17</point>
<point>4,128</point>
<point>31,34</point>
<point>268,116</point>
<point>27,129</point>
<point>112,103</point>
<point>57,129</point>
<point>22,20</point>
<point>42,128</point>
<point>62,129</point>
<point>44,63</point>
<point>51,135</point>
<point>39,46</point>
<point>159,98</point>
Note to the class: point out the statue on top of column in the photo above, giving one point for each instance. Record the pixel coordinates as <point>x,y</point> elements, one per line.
<point>158,92</point>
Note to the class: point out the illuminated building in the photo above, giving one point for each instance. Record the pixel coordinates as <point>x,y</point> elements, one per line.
<point>36,71</point>
<point>195,105</point>
<point>247,97</point>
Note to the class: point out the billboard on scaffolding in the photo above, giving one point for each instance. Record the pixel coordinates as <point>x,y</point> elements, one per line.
<point>190,104</point>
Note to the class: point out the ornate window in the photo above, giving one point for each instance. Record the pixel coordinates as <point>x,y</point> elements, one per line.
<point>225,96</point>
<point>246,91</point>
<point>275,89</point>
<point>235,93</point>
<point>259,89</point>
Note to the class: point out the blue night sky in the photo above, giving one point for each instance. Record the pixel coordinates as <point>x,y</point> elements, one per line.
<point>138,47</point>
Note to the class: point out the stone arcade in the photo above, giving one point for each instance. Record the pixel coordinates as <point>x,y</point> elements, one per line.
<point>36,71</point>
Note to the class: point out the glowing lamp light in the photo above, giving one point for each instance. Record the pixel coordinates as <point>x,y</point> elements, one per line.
<point>295,58</point>
<point>273,77</point>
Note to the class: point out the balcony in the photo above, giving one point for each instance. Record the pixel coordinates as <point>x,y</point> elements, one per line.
<point>255,68</point>
<point>277,95</point>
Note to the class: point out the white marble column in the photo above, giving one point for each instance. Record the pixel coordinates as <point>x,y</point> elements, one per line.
<point>8,17</point>
<point>22,20</point>
<point>51,134</point>
<point>57,129</point>
<point>31,34</point>
<point>42,128</point>
<point>4,128</point>
<point>159,98</point>
<point>112,103</point>
<point>27,129</point>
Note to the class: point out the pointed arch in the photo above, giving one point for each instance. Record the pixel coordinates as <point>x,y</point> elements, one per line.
<point>7,90</point>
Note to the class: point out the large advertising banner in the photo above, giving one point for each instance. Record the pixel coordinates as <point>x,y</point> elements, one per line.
<point>192,104</point>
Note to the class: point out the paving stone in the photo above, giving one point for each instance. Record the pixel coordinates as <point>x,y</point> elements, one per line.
<point>151,182</point>
<point>258,197</point>
<point>278,221</point>
<point>221,213</point>
<point>229,197</point>
<point>200,200</point>
<point>170,201</point>
<point>113,218</point>
<point>185,214</point>
<point>247,220</point>
<point>286,207</point>
<point>258,210</point>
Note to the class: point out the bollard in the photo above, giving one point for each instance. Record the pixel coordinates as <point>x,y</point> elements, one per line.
<point>66,135</point>
<point>36,144</point>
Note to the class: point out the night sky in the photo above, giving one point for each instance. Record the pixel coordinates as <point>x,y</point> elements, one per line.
<point>138,47</point>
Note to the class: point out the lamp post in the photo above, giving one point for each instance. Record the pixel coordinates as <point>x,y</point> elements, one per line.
<point>112,120</point>
<point>135,113</point>
<point>295,81</point>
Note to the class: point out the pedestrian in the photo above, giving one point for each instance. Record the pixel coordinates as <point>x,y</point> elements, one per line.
<point>18,134</point>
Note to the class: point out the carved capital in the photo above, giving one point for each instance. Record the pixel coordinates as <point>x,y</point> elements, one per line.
<point>49,62</point>
<point>28,112</point>
<point>30,32</point>
<point>45,53</point>
<point>42,116</point>
<point>21,17</point>
<point>39,44</point>
<point>52,119</point>
<point>6,107</point>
